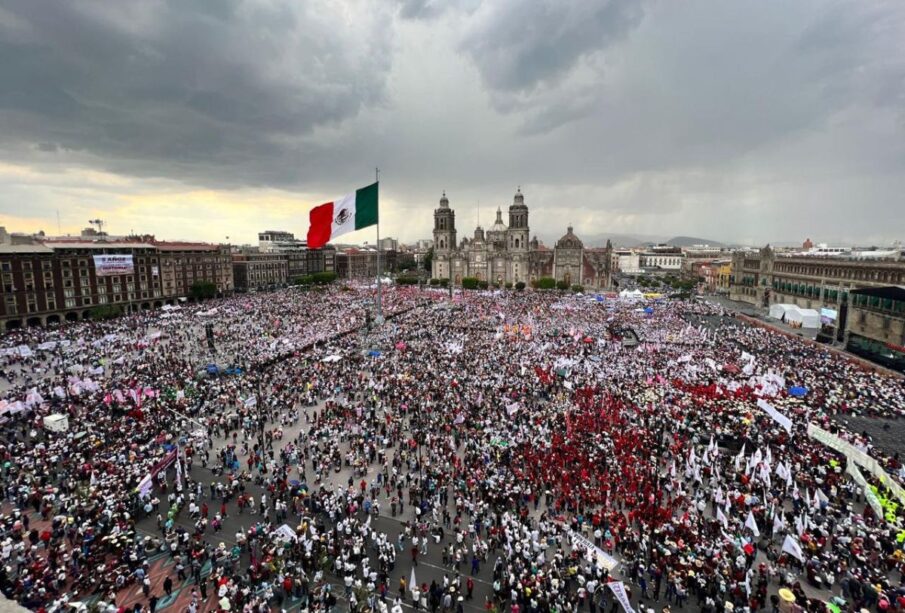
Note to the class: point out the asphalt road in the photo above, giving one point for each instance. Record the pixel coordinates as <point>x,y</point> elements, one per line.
<point>430,567</point>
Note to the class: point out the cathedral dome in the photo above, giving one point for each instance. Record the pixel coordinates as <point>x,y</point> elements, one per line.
<point>569,241</point>
<point>444,201</point>
<point>498,225</point>
<point>518,201</point>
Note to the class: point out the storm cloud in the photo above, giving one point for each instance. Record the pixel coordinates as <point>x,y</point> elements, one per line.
<point>735,121</point>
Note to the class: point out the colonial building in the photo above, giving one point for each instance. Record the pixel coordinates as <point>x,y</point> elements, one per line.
<point>362,263</point>
<point>854,290</point>
<point>254,271</point>
<point>301,261</point>
<point>504,254</point>
<point>61,280</point>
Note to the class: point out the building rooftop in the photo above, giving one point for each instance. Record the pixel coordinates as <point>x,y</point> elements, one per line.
<point>179,246</point>
<point>25,249</point>
<point>97,245</point>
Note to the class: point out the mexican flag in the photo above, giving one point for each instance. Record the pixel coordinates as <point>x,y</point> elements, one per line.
<point>351,212</point>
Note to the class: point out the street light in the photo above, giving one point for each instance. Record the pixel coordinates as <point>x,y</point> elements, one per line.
<point>188,419</point>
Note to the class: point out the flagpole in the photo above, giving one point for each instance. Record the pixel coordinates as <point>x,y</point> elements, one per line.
<point>379,283</point>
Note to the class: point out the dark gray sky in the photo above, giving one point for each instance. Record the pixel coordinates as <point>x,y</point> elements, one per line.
<point>737,121</point>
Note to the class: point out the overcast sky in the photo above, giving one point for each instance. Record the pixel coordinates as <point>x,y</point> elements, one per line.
<point>725,119</point>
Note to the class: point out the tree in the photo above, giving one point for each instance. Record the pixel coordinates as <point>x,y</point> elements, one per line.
<point>435,281</point>
<point>470,283</point>
<point>428,260</point>
<point>107,311</point>
<point>202,290</point>
<point>546,283</point>
<point>578,288</point>
<point>323,278</point>
<point>406,280</point>
<point>520,286</point>
<point>444,282</point>
<point>561,285</point>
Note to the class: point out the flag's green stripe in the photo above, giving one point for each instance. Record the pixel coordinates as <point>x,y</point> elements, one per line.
<point>366,206</point>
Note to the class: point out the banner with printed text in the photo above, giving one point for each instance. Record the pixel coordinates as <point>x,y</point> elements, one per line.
<point>853,454</point>
<point>109,265</point>
<point>594,553</point>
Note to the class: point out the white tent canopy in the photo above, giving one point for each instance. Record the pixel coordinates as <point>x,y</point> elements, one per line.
<point>807,318</point>
<point>56,423</point>
<point>635,294</point>
<point>778,311</point>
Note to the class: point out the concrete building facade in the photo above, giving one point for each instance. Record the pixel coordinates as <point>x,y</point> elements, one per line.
<point>58,280</point>
<point>857,290</point>
<point>257,271</point>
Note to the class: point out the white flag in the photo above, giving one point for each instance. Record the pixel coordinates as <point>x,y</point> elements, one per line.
<point>178,475</point>
<point>413,583</point>
<point>821,497</point>
<point>778,523</point>
<point>752,525</point>
<point>739,458</point>
<point>722,517</point>
<point>792,547</point>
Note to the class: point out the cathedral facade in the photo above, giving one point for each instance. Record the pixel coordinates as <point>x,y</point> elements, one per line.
<point>505,254</point>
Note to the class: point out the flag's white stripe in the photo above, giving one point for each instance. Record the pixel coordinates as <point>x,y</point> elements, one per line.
<point>343,215</point>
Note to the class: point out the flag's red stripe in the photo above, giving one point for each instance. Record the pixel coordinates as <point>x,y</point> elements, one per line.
<point>321,219</point>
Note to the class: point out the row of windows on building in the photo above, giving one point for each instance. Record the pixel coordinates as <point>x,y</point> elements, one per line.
<point>71,301</point>
<point>843,272</point>
<point>648,260</point>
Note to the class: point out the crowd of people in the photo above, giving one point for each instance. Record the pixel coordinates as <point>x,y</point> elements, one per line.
<point>550,464</point>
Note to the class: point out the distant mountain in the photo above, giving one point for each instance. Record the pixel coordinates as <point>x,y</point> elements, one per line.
<point>690,241</point>
<point>599,240</point>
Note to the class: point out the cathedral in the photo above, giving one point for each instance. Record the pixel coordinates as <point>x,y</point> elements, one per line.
<point>505,254</point>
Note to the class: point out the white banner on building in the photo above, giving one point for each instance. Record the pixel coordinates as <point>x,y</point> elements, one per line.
<point>155,271</point>
<point>109,265</point>
<point>619,592</point>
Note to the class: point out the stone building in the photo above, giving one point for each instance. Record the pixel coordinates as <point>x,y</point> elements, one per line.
<point>853,288</point>
<point>60,280</point>
<point>255,271</point>
<point>504,254</point>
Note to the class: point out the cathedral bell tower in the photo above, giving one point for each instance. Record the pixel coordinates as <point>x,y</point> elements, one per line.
<point>518,225</point>
<point>444,239</point>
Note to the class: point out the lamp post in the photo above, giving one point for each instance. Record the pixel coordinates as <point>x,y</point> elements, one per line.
<point>191,420</point>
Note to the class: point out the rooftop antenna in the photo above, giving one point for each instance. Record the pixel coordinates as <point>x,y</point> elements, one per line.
<point>59,231</point>
<point>99,223</point>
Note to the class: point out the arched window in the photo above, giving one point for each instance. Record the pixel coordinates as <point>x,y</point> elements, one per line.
<point>516,243</point>
<point>442,244</point>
